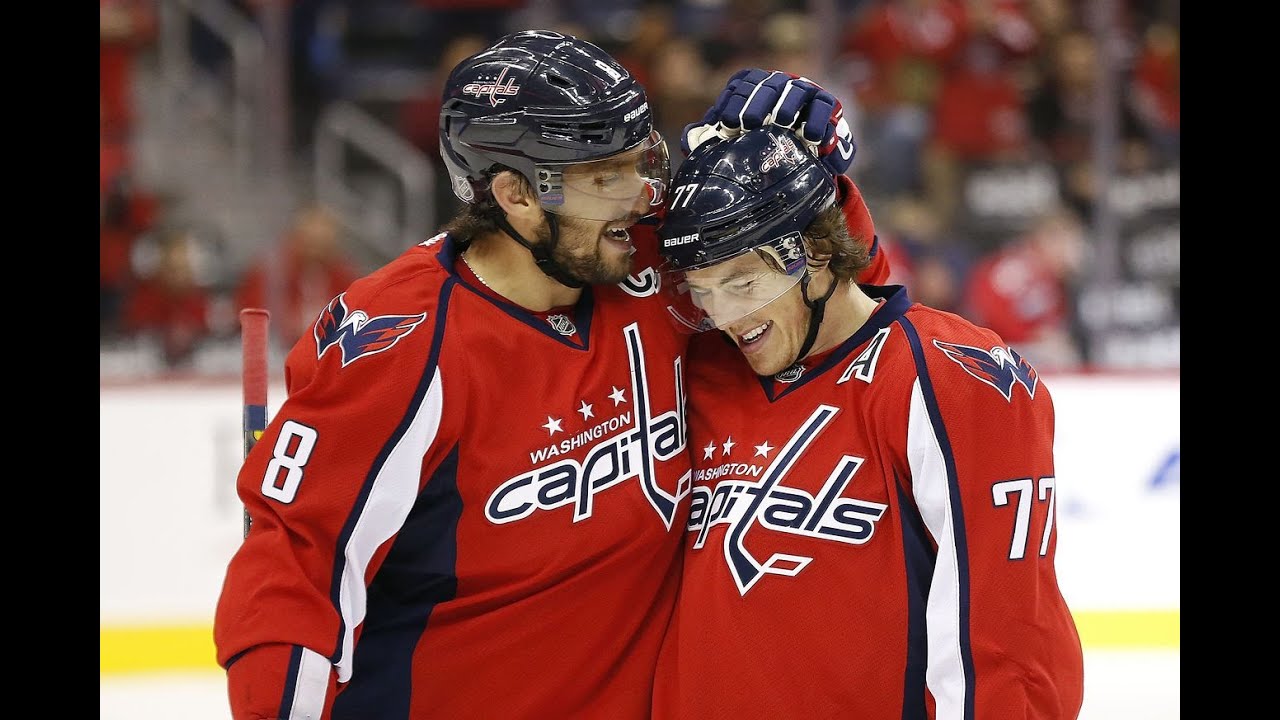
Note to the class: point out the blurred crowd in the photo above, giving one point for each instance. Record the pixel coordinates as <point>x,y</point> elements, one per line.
<point>981,125</point>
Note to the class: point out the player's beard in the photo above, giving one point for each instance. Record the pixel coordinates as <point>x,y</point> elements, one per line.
<point>577,250</point>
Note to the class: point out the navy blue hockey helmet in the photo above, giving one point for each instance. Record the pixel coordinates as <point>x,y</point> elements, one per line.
<point>552,107</point>
<point>732,239</point>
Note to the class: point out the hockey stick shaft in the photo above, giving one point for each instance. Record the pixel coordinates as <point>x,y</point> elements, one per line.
<point>253,380</point>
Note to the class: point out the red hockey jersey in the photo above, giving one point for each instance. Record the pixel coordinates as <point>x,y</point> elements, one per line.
<point>462,509</point>
<point>872,536</point>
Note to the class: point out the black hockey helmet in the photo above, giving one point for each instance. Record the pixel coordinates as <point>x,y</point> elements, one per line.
<point>545,105</point>
<point>736,218</point>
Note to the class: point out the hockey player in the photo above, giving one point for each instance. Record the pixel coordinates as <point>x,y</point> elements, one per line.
<point>871,531</point>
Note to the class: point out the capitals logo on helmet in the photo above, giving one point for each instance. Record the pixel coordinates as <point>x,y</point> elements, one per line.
<point>494,89</point>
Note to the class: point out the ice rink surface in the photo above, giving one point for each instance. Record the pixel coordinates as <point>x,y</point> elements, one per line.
<point>1119,685</point>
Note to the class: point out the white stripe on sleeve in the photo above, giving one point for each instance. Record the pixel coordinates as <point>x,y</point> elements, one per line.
<point>945,674</point>
<point>310,686</point>
<point>394,491</point>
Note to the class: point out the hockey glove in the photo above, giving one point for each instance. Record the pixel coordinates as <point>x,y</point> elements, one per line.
<point>753,98</point>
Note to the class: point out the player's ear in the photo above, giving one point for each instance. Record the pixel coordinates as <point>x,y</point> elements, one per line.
<point>514,195</point>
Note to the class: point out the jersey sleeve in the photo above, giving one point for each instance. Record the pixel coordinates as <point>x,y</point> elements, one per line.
<point>328,486</point>
<point>1001,640</point>
<point>861,227</point>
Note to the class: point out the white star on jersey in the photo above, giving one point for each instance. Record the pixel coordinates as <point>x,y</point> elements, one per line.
<point>728,445</point>
<point>764,449</point>
<point>708,451</point>
<point>586,410</point>
<point>553,425</point>
<point>619,396</point>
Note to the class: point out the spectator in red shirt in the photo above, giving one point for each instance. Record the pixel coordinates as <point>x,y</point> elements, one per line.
<point>980,113</point>
<point>979,119</point>
<point>1024,291</point>
<point>124,27</point>
<point>313,270</point>
<point>1156,95</point>
<point>903,45</point>
<point>170,304</point>
<point>125,211</point>
<point>896,53</point>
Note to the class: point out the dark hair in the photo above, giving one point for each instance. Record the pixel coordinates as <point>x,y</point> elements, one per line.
<point>481,217</point>
<point>827,239</point>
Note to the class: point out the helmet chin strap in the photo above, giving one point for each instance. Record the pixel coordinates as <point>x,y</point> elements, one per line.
<point>817,309</point>
<point>542,252</point>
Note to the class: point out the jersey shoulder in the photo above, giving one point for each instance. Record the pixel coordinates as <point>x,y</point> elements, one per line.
<point>414,279</point>
<point>967,360</point>
<point>357,330</point>
<point>933,323</point>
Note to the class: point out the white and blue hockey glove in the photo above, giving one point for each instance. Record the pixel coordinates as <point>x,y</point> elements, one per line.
<point>753,98</point>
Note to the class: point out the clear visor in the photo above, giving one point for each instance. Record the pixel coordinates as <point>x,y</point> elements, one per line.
<point>630,184</point>
<point>717,296</point>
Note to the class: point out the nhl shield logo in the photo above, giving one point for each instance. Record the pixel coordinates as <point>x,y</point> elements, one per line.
<point>562,324</point>
<point>462,188</point>
<point>791,374</point>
